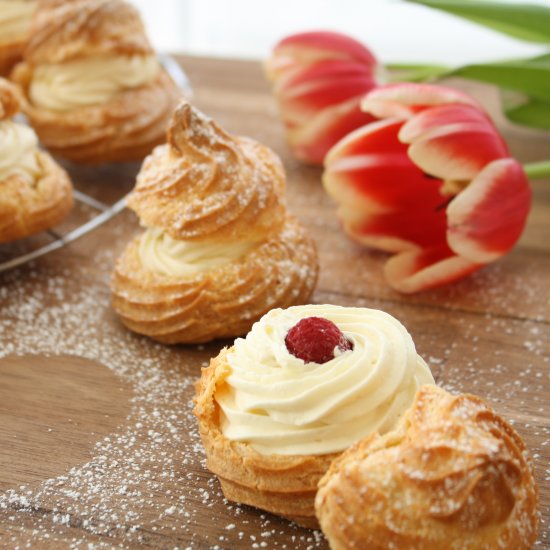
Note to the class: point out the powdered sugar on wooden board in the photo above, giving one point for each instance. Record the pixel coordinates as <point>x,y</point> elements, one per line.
<point>147,481</point>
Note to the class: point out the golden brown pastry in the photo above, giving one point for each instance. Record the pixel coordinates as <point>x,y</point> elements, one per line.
<point>220,248</point>
<point>35,192</point>
<point>94,89</point>
<point>15,20</point>
<point>276,408</point>
<point>453,476</point>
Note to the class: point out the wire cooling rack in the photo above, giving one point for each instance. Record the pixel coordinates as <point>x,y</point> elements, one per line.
<point>105,211</point>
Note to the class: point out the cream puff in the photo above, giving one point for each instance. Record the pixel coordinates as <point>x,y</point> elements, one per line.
<point>94,89</point>
<point>280,405</point>
<point>15,22</point>
<point>35,192</point>
<point>219,248</point>
<point>453,475</point>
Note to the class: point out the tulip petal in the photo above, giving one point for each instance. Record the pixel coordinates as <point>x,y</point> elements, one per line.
<point>319,78</point>
<point>440,117</point>
<point>310,47</point>
<point>397,231</point>
<point>403,100</point>
<point>311,141</point>
<point>320,86</point>
<point>486,219</point>
<point>379,136</point>
<point>417,270</point>
<point>385,200</point>
<point>389,180</point>
<point>458,151</point>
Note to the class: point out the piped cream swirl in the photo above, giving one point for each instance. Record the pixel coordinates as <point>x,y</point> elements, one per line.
<point>92,81</point>
<point>162,254</point>
<point>18,151</point>
<point>15,18</point>
<point>280,405</point>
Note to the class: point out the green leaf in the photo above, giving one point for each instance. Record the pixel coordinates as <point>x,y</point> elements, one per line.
<point>414,72</point>
<point>530,76</point>
<point>527,112</point>
<point>528,22</point>
<point>544,58</point>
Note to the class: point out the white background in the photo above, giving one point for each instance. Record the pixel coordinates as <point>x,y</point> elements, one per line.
<point>393,29</point>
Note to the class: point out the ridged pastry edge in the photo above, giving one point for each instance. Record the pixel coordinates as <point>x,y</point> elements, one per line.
<point>281,271</point>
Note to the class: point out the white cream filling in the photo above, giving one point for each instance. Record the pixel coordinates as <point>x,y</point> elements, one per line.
<point>91,81</point>
<point>18,151</point>
<point>162,254</point>
<point>280,405</point>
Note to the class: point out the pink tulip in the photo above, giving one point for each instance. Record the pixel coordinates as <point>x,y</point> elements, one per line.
<point>319,80</point>
<point>432,182</point>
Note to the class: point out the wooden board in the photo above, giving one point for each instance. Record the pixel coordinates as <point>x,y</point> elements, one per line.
<point>97,442</point>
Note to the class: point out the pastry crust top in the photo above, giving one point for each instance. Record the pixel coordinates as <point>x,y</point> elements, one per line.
<point>453,475</point>
<point>64,30</point>
<point>207,184</point>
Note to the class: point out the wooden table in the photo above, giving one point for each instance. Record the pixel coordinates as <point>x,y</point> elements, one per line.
<point>97,442</point>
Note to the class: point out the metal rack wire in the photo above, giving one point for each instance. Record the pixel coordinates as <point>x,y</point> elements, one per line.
<point>106,212</point>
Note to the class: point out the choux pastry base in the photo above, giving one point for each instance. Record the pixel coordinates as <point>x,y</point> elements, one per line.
<point>220,303</point>
<point>280,484</point>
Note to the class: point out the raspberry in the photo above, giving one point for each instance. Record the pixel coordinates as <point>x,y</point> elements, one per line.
<point>314,340</point>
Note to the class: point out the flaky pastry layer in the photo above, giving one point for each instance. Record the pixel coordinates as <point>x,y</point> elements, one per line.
<point>452,476</point>
<point>65,30</point>
<point>10,99</point>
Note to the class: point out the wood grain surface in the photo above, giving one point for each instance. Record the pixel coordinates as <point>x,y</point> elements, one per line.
<point>98,448</point>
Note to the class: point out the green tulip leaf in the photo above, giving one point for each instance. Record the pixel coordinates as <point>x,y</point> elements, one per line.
<point>530,112</point>
<point>528,22</point>
<point>414,72</point>
<point>529,76</point>
<point>544,58</point>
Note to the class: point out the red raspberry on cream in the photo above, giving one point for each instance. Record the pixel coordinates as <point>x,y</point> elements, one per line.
<point>315,340</point>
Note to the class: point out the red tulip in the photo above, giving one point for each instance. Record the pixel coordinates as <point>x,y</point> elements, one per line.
<point>432,182</point>
<point>319,81</point>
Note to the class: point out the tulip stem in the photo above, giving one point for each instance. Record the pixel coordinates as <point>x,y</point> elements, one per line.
<point>537,170</point>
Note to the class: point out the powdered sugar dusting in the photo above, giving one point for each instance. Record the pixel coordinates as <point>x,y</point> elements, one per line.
<point>147,482</point>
